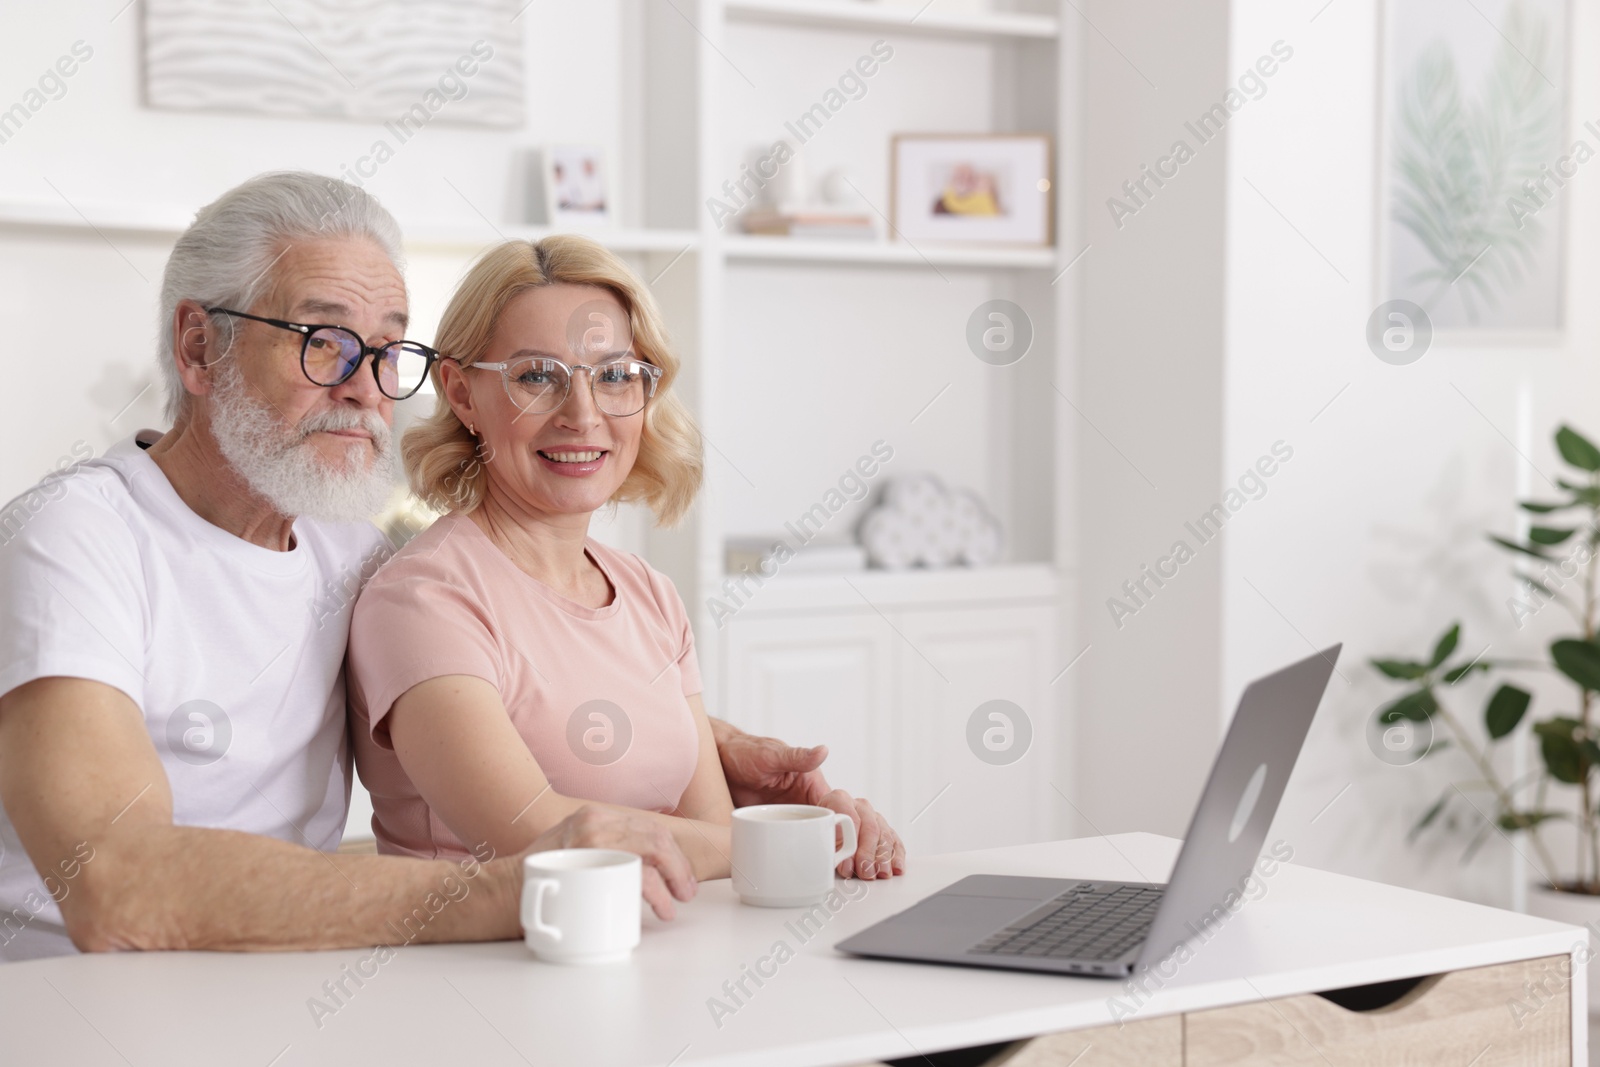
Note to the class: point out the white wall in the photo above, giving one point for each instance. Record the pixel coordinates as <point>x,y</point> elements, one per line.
<point>1149,414</point>
<point>1223,317</point>
<point>1373,533</point>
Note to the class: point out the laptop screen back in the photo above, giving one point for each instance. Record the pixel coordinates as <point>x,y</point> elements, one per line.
<point>1213,873</point>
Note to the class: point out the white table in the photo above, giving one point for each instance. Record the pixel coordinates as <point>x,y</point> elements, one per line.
<point>493,1004</point>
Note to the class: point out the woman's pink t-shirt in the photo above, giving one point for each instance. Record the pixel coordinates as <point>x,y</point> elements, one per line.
<point>598,694</point>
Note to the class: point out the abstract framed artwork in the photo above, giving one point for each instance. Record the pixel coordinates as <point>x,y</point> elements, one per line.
<point>1473,163</point>
<point>404,63</point>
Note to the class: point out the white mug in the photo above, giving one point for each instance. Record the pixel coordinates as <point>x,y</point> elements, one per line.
<point>783,854</point>
<point>581,905</point>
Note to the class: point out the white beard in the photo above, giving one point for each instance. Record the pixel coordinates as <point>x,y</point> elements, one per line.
<point>280,464</point>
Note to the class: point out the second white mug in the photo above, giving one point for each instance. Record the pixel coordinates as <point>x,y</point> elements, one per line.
<point>581,905</point>
<point>784,854</point>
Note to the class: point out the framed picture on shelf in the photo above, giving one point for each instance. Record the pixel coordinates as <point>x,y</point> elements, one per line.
<point>1474,155</point>
<point>972,188</point>
<point>575,187</point>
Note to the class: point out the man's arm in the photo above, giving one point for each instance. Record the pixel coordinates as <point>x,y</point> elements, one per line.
<point>79,777</point>
<point>764,770</point>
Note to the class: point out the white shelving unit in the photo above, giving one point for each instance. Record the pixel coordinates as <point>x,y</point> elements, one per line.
<point>169,221</point>
<point>804,351</point>
<point>162,220</point>
<point>886,253</point>
<point>949,588</point>
<point>618,240</point>
<point>903,18</point>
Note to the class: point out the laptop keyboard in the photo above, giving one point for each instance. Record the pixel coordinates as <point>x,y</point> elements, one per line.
<point>1088,923</point>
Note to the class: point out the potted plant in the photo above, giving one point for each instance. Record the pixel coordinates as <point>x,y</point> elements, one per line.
<point>1556,567</point>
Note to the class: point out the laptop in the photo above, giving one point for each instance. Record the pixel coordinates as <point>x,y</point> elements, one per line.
<point>1073,926</point>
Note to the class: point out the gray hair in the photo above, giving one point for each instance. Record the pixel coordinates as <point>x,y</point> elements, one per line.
<point>225,257</point>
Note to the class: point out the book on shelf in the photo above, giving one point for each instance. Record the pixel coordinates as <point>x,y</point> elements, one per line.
<point>845,225</point>
<point>761,555</point>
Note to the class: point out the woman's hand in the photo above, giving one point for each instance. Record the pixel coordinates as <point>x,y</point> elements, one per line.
<point>879,851</point>
<point>667,873</point>
<point>764,770</point>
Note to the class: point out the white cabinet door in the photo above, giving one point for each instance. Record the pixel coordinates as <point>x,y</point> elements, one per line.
<point>818,680</point>
<point>975,778</point>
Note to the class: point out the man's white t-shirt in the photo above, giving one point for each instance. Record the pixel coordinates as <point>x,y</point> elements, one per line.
<point>233,652</point>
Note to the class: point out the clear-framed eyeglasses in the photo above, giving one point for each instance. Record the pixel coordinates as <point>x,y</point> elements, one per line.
<point>540,384</point>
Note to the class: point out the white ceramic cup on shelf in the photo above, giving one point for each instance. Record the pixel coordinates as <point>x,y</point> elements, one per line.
<point>784,854</point>
<point>581,905</point>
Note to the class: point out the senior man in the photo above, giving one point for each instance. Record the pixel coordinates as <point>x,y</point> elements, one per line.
<point>173,751</point>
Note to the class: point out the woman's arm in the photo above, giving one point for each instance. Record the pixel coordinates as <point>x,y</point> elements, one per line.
<point>707,798</point>
<point>460,749</point>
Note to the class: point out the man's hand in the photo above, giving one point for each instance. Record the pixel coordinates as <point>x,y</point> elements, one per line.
<point>764,770</point>
<point>667,872</point>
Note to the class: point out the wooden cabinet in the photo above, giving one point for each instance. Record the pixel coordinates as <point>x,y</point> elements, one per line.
<point>1150,1043</point>
<point>1451,1020</point>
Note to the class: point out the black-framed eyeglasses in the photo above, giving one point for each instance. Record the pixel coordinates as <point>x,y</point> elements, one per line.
<point>329,355</point>
<point>539,384</point>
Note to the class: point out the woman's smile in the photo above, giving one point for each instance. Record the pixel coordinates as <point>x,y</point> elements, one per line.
<point>573,462</point>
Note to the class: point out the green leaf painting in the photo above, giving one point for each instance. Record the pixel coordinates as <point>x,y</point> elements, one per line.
<point>1475,126</point>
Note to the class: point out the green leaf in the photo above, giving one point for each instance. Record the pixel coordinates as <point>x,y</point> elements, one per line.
<point>1455,674</point>
<point>1428,816</point>
<point>1505,710</point>
<point>1416,706</point>
<point>1578,660</point>
<point>1544,509</point>
<point>1576,449</point>
<point>1561,757</point>
<point>1525,820</point>
<point>1567,757</point>
<point>1477,842</point>
<point>1548,535</point>
<point>1524,549</point>
<point>1535,583</point>
<point>1400,668</point>
<point>1581,494</point>
<point>1447,644</point>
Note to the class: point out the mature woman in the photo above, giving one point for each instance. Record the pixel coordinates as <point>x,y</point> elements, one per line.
<point>505,668</point>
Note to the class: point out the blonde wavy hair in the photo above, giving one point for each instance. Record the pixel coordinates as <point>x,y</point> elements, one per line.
<point>441,457</point>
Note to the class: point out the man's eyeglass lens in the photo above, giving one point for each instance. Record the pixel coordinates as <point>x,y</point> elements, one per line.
<point>331,353</point>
